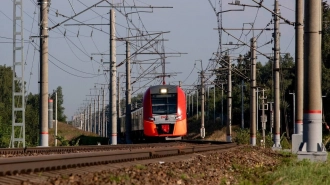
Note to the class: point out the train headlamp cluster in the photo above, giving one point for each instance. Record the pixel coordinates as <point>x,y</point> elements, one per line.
<point>163,91</point>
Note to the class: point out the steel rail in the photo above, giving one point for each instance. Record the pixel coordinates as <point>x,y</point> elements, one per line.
<point>64,149</point>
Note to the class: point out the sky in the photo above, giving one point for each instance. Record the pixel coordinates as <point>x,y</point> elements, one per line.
<point>191,25</point>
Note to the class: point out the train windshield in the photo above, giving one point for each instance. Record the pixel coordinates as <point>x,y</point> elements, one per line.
<point>164,103</point>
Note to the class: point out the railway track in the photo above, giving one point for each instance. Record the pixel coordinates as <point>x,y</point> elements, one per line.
<point>34,151</point>
<point>30,164</point>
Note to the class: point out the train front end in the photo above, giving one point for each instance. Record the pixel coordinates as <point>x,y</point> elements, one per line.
<point>164,113</point>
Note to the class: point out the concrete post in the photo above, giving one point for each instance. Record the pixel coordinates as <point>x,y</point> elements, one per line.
<point>299,91</point>
<point>312,147</point>
<point>222,104</point>
<point>103,115</point>
<point>94,117</point>
<point>192,105</point>
<point>85,119</point>
<point>263,117</point>
<point>202,106</point>
<point>253,84</point>
<point>299,55</point>
<point>50,113</point>
<point>98,116</point>
<point>55,118</point>
<point>128,118</point>
<point>197,102</point>
<point>257,108</point>
<point>276,69</point>
<point>90,117</point>
<point>44,4</point>
<point>242,115</point>
<point>229,102</point>
<point>113,69</point>
<point>214,104</point>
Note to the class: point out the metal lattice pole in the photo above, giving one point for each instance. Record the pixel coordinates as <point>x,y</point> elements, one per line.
<point>18,100</point>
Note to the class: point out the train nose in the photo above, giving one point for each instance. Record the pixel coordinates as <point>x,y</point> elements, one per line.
<point>166,128</point>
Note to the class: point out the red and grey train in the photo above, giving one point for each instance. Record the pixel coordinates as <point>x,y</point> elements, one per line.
<point>163,114</point>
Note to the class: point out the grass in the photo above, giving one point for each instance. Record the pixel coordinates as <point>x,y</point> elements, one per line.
<point>67,133</point>
<point>140,167</point>
<point>290,172</point>
<point>119,178</point>
<point>184,176</point>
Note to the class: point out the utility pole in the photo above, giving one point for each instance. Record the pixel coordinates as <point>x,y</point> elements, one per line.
<point>94,116</point>
<point>263,116</point>
<point>192,105</point>
<point>214,104</point>
<point>276,69</point>
<point>242,118</point>
<point>222,104</point>
<point>128,95</point>
<point>299,91</point>
<point>299,65</point>
<point>229,102</point>
<point>112,95</point>
<point>253,84</point>
<point>87,117</point>
<point>207,103</point>
<point>55,118</point>
<point>312,147</point>
<point>242,95</point>
<point>202,105</point>
<point>257,108</point>
<point>103,115</point>
<point>118,104</point>
<point>271,119</point>
<point>50,113</point>
<point>85,120</point>
<point>43,120</point>
<point>118,97</point>
<point>197,102</point>
<point>294,110</point>
<point>90,117</point>
<point>188,106</point>
<point>98,116</point>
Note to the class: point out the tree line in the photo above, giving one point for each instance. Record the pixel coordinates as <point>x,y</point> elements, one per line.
<point>31,110</point>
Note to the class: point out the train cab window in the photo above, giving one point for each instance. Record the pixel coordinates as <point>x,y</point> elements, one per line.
<point>164,103</point>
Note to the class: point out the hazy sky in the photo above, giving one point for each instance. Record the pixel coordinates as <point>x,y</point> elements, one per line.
<point>191,25</point>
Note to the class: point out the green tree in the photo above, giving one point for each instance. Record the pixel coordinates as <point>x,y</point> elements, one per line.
<point>6,80</point>
<point>326,60</point>
<point>60,100</point>
<point>32,119</point>
<point>6,77</point>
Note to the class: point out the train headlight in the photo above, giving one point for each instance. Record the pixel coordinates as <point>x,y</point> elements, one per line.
<point>163,91</point>
<point>178,117</point>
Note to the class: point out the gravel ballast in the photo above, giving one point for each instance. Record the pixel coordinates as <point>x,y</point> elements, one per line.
<point>205,168</point>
